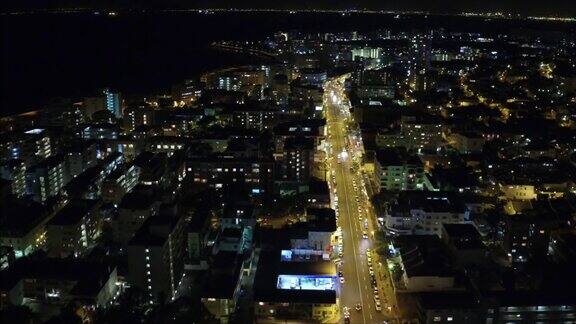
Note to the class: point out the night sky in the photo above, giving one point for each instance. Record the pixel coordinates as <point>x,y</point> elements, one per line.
<point>527,7</point>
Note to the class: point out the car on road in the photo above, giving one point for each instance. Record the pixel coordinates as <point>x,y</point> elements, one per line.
<point>358,307</point>
<point>341,280</point>
<point>378,306</point>
<point>346,312</point>
<point>340,274</point>
<point>365,235</point>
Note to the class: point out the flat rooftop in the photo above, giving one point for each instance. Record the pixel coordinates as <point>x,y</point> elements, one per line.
<point>429,201</point>
<point>270,268</point>
<point>73,212</point>
<point>20,216</point>
<point>424,256</point>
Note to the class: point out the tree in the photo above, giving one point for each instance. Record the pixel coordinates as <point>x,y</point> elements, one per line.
<point>397,272</point>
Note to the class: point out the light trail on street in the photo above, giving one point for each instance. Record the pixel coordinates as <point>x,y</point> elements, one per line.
<point>356,218</point>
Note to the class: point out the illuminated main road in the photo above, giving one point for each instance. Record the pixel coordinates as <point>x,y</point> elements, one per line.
<point>356,217</point>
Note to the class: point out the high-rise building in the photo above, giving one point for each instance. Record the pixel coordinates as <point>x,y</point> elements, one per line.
<point>422,132</point>
<point>424,212</point>
<point>228,83</point>
<point>133,210</point>
<point>156,257</point>
<point>396,172</point>
<point>74,229</point>
<point>298,158</point>
<point>419,62</point>
<point>366,53</point>
<point>113,102</point>
<point>15,172</point>
<point>119,182</point>
<point>46,178</point>
<point>80,157</point>
<point>138,116</point>
<point>32,146</point>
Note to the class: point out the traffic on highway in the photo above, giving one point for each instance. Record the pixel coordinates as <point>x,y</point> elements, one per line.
<point>366,295</point>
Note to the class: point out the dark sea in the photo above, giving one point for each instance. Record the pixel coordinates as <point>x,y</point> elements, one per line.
<point>44,56</point>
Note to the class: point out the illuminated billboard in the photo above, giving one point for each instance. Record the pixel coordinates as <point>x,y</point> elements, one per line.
<point>306,282</point>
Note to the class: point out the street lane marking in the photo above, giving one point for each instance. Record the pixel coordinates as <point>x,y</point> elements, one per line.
<point>352,234</point>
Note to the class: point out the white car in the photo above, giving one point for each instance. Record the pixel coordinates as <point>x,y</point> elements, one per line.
<point>378,306</point>
<point>341,280</point>
<point>365,235</point>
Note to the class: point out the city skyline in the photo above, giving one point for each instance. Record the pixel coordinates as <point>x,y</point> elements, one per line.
<point>563,8</point>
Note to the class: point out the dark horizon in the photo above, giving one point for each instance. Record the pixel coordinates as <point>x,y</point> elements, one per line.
<point>31,80</point>
<point>564,8</point>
